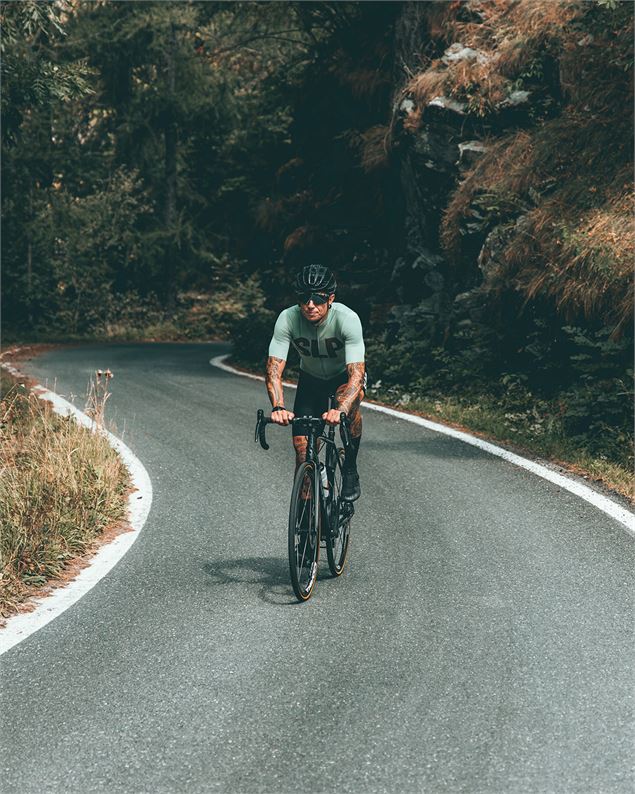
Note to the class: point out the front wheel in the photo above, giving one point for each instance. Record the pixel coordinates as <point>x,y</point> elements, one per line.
<point>340,514</point>
<point>304,532</point>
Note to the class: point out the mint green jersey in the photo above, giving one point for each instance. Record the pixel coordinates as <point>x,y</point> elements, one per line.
<point>324,349</point>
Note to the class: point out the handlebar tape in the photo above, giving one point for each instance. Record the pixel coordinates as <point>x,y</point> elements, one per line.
<point>261,426</point>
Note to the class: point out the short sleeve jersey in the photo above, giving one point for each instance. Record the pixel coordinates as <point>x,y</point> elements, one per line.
<point>324,349</point>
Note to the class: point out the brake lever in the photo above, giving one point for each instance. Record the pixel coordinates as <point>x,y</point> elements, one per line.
<point>261,426</point>
<point>344,431</point>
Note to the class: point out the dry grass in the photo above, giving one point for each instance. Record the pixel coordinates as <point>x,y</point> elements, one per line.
<point>478,84</point>
<point>61,487</point>
<point>500,25</point>
<point>510,38</point>
<point>375,148</point>
<point>585,266</point>
<point>365,83</point>
<point>567,179</point>
<point>300,238</point>
<point>571,179</point>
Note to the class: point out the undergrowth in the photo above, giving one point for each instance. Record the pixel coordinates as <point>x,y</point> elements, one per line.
<point>61,486</point>
<point>535,427</point>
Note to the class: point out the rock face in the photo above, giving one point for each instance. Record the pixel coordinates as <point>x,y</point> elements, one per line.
<point>429,161</point>
<point>457,52</point>
<point>435,144</point>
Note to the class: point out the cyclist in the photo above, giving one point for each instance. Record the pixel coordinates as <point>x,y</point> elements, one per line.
<point>328,337</point>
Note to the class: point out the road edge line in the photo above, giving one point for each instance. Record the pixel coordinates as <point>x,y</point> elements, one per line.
<point>48,607</point>
<point>625,517</point>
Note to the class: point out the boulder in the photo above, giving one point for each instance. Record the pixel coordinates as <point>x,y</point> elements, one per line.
<point>466,301</point>
<point>458,52</point>
<point>515,99</point>
<point>435,149</point>
<point>445,109</point>
<point>427,260</point>
<point>516,109</point>
<point>470,152</point>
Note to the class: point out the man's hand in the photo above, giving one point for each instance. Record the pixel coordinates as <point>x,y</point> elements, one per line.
<point>332,417</point>
<point>282,417</point>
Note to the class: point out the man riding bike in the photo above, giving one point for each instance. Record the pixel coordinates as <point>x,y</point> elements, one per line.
<point>328,337</point>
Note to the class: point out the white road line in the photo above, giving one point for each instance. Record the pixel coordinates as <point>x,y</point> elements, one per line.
<point>608,506</point>
<point>21,626</point>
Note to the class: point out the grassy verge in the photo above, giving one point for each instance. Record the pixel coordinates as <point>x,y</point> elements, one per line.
<point>61,488</point>
<point>530,430</point>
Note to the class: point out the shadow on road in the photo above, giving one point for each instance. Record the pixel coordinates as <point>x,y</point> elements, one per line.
<point>442,447</point>
<point>270,573</point>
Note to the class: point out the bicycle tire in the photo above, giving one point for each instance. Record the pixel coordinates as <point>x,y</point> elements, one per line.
<point>304,532</point>
<point>338,533</point>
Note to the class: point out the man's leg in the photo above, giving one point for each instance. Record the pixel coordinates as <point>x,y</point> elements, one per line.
<point>299,442</point>
<point>308,402</point>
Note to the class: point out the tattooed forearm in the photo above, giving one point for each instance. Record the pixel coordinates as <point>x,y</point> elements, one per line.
<point>350,392</point>
<point>273,380</point>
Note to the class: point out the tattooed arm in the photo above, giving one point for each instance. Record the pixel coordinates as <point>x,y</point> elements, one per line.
<point>278,350</point>
<point>349,392</point>
<point>273,381</point>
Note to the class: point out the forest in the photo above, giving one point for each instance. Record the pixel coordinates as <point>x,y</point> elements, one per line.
<point>466,169</point>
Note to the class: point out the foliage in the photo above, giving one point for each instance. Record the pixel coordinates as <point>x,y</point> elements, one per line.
<point>251,336</point>
<point>142,181</point>
<point>579,380</point>
<point>32,75</point>
<point>167,165</point>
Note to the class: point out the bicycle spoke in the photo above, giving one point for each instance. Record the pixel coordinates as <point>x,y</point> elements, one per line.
<point>339,519</point>
<point>303,533</point>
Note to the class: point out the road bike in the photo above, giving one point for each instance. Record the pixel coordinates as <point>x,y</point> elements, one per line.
<point>317,514</point>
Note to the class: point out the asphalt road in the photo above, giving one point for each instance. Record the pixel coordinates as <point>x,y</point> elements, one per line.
<point>480,641</point>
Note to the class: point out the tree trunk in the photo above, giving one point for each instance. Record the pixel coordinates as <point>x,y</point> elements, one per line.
<point>170,137</point>
<point>29,261</point>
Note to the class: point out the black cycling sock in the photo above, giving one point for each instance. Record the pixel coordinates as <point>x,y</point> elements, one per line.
<point>351,453</point>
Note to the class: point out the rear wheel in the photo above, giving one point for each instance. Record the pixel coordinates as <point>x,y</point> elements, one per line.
<point>304,532</point>
<point>340,514</point>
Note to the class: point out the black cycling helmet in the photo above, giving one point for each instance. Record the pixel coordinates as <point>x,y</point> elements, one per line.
<point>315,278</point>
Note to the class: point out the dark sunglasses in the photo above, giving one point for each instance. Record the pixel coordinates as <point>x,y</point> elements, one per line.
<point>317,297</point>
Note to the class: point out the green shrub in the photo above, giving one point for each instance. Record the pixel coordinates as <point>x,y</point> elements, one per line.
<point>251,336</point>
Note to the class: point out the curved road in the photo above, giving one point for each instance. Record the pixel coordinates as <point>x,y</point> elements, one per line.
<point>480,641</point>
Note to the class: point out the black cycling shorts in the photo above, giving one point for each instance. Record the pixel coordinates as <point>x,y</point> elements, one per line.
<point>312,396</point>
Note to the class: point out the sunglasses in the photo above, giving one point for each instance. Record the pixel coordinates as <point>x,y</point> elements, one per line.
<point>318,298</point>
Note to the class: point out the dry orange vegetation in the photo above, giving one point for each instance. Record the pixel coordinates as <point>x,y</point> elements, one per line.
<point>61,488</point>
<point>567,180</point>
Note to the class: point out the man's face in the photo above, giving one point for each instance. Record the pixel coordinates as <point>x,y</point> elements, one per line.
<point>312,309</point>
